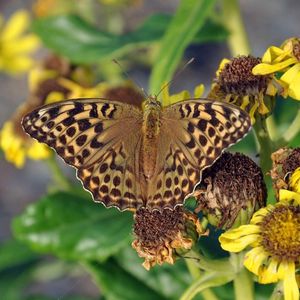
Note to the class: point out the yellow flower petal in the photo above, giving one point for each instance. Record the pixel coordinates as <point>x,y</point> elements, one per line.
<point>222,65</point>
<point>290,287</point>
<point>294,87</point>
<point>165,97</point>
<point>286,196</point>
<point>199,90</point>
<point>184,95</point>
<point>263,69</point>
<point>11,145</point>
<point>24,45</point>
<point>254,258</point>
<point>272,53</point>
<point>54,97</point>
<point>271,89</point>
<point>260,214</point>
<point>245,102</point>
<point>239,238</point>
<point>37,75</point>
<point>294,181</point>
<point>16,25</point>
<point>290,74</point>
<point>38,151</point>
<point>18,64</point>
<point>252,111</point>
<point>269,274</point>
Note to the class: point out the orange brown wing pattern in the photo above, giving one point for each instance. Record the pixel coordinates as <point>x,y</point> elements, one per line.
<point>194,133</point>
<point>99,138</point>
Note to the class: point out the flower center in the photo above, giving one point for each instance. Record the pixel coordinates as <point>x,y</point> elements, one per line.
<point>237,78</point>
<point>281,233</point>
<point>153,227</point>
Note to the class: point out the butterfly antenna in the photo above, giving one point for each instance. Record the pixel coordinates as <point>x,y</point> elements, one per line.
<point>129,77</point>
<point>176,76</point>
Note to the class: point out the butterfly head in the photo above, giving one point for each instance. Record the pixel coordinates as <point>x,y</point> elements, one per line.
<point>152,103</point>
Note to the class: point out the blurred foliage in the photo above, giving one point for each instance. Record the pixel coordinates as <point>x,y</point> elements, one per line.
<point>75,38</point>
<point>72,227</point>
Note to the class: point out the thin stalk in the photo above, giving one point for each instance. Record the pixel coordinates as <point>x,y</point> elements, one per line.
<point>238,42</point>
<point>243,286</point>
<point>204,263</point>
<point>195,272</point>
<point>294,128</point>
<point>58,177</point>
<point>264,143</point>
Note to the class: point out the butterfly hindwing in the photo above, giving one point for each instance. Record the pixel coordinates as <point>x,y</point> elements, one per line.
<point>97,137</point>
<point>194,135</point>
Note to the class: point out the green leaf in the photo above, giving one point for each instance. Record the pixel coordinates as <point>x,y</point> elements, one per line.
<point>73,227</point>
<point>188,20</point>
<point>73,37</point>
<point>168,280</point>
<point>118,284</point>
<point>12,283</point>
<point>13,253</point>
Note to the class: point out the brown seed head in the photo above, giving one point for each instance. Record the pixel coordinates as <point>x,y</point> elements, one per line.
<point>233,185</point>
<point>236,77</point>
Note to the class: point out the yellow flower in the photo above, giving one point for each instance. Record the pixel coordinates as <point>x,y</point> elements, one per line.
<point>168,99</point>
<point>15,44</point>
<point>236,84</point>
<point>16,146</point>
<point>284,59</point>
<point>78,91</point>
<point>274,236</point>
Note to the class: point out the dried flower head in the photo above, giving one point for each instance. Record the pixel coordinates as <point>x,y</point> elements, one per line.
<point>160,236</point>
<point>284,171</point>
<point>236,84</point>
<point>231,190</point>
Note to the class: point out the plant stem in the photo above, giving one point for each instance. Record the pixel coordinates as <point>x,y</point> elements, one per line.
<point>204,263</point>
<point>58,176</point>
<point>264,143</point>
<point>243,286</point>
<point>237,41</point>
<point>195,272</point>
<point>294,128</point>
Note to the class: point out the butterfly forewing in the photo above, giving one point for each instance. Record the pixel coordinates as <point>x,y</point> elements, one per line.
<point>194,133</point>
<point>99,138</point>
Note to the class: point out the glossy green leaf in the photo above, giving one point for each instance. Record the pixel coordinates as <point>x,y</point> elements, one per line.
<point>116,283</point>
<point>73,227</point>
<point>13,253</point>
<point>169,280</point>
<point>76,39</point>
<point>188,20</point>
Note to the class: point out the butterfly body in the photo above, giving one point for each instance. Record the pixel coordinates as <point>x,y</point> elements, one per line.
<point>131,158</point>
<point>150,132</point>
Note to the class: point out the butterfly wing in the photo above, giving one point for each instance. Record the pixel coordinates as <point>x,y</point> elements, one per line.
<point>194,133</point>
<point>99,138</point>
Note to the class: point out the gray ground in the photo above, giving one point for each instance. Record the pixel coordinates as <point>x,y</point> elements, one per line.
<point>267,22</point>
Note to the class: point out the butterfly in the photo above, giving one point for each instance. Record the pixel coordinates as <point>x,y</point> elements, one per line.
<point>130,157</point>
